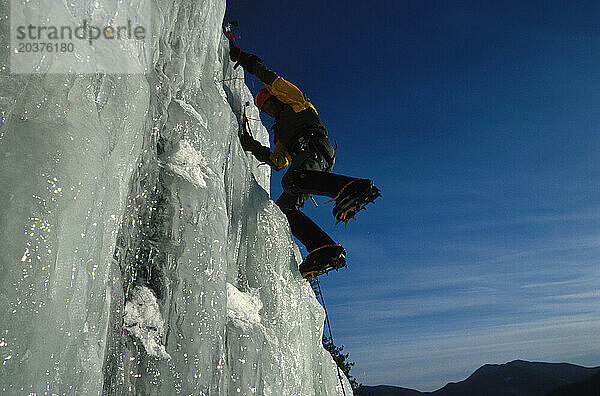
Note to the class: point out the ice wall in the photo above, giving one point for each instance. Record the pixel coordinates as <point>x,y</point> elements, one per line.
<point>140,252</point>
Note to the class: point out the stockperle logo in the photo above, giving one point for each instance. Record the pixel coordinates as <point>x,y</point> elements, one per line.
<point>80,36</point>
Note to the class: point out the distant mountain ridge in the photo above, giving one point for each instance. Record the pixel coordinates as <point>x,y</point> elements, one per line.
<point>588,387</point>
<point>516,378</point>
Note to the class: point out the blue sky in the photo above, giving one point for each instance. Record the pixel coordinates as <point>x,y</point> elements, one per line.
<point>479,122</point>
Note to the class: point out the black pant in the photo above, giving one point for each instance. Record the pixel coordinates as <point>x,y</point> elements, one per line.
<point>309,173</point>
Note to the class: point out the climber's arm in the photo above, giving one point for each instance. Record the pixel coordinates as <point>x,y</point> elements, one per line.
<point>253,65</point>
<point>278,86</point>
<point>278,159</point>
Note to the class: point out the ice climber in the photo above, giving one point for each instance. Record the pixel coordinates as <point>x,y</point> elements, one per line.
<point>301,142</point>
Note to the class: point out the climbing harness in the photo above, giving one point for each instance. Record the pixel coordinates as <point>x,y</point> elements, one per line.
<point>316,286</point>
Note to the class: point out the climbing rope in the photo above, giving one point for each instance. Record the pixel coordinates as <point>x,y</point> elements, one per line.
<point>315,281</point>
<point>240,78</point>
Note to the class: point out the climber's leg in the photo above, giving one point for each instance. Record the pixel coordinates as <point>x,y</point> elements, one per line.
<point>303,228</point>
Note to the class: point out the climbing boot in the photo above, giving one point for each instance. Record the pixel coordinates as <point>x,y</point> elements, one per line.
<point>323,260</point>
<point>353,198</point>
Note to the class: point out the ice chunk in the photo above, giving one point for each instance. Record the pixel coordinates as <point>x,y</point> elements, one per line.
<point>188,163</point>
<point>143,321</point>
<point>242,308</point>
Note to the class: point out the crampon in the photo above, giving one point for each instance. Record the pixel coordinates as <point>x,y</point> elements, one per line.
<point>353,198</point>
<point>323,260</point>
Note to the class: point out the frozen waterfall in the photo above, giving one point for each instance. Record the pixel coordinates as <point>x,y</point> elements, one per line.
<point>141,253</point>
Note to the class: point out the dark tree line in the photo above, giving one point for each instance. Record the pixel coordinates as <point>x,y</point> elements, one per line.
<point>341,359</point>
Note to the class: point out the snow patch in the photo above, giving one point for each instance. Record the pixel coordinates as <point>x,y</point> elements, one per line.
<point>189,164</point>
<point>242,308</point>
<point>143,321</point>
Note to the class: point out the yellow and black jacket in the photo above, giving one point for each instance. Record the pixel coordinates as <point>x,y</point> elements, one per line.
<point>297,119</point>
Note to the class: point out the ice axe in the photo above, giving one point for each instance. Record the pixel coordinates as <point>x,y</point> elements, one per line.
<point>245,123</point>
<point>228,31</point>
<point>229,24</point>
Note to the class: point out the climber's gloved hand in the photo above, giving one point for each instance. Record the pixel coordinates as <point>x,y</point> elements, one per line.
<point>248,61</point>
<point>262,154</point>
<point>246,141</point>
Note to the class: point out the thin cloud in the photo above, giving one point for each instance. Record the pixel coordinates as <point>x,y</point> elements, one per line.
<point>426,357</point>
